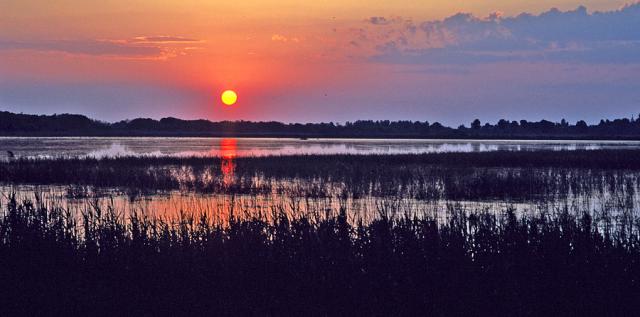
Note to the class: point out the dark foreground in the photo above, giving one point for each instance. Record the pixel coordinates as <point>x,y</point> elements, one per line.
<point>478,264</point>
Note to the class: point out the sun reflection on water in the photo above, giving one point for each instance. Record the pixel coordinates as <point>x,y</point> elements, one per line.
<point>228,154</point>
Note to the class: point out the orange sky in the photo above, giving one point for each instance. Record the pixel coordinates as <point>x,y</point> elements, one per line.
<point>272,52</point>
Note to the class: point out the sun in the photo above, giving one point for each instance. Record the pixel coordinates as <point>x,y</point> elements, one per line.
<point>229,97</point>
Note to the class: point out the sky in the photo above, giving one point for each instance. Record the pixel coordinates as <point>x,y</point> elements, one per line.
<point>321,61</point>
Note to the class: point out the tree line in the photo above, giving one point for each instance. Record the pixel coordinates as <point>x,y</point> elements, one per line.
<point>79,125</point>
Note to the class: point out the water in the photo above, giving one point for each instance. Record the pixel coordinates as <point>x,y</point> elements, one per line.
<point>219,207</point>
<point>236,147</point>
<point>283,196</point>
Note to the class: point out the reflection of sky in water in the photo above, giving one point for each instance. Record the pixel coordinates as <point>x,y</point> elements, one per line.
<point>219,206</point>
<point>100,147</point>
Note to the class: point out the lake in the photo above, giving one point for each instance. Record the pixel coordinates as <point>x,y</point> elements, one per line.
<point>114,146</point>
<point>223,186</point>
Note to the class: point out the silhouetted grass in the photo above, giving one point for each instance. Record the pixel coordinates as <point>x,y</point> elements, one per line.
<point>318,262</point>
<point>536,175</point>
<point>53,262</point>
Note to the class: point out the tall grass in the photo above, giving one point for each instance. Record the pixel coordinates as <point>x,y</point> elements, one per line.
<point>483,263</point>
<point>539,175</point>
<point>305,253</point>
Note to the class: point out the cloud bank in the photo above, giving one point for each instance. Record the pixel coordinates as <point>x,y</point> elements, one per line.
<point>555,36</point>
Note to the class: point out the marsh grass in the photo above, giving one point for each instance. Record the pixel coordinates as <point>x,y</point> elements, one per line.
<point>514,176</point>
<point>307,253</point>
<point>491,263</point>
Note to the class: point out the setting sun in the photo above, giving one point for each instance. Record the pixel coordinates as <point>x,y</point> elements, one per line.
<point>229,97</point>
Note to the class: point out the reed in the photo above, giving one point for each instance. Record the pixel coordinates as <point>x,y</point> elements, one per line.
<point>514,176</point>
<point>497,263</point>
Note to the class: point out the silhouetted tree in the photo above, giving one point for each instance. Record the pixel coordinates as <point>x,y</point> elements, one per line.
<point>68,124</point>
<point>476,124</point>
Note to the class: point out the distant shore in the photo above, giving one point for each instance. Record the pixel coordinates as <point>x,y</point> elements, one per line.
<point>74,125</point>
<point>138,134</point>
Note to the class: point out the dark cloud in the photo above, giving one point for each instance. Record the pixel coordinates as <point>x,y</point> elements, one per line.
<point>562,36</point>
<point>378,20</point>
<point>578,25</point>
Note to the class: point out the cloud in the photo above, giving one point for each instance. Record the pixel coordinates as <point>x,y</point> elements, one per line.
<point>557,36</point>
<point>138,47</point>
<point>84,47</point>
<point>278,38</point>
<point>379,20</point>
<point>282,38</point>
<point>164,39</point>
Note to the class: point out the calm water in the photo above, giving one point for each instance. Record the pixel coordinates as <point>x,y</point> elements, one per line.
<point>287,194</point>
<point>219,206</point>
<point>110,146</point>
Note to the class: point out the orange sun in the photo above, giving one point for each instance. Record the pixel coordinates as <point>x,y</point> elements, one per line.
<point>229,97</point>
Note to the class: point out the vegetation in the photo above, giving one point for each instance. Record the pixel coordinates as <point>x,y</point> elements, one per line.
<point>320,259</point>
<point>52,262</point>
<point>513,176</point>
<point>79,125</point>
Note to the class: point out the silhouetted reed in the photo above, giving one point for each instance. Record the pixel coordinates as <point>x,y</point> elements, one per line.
<point>514,176</point>
<point>55,262</point>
